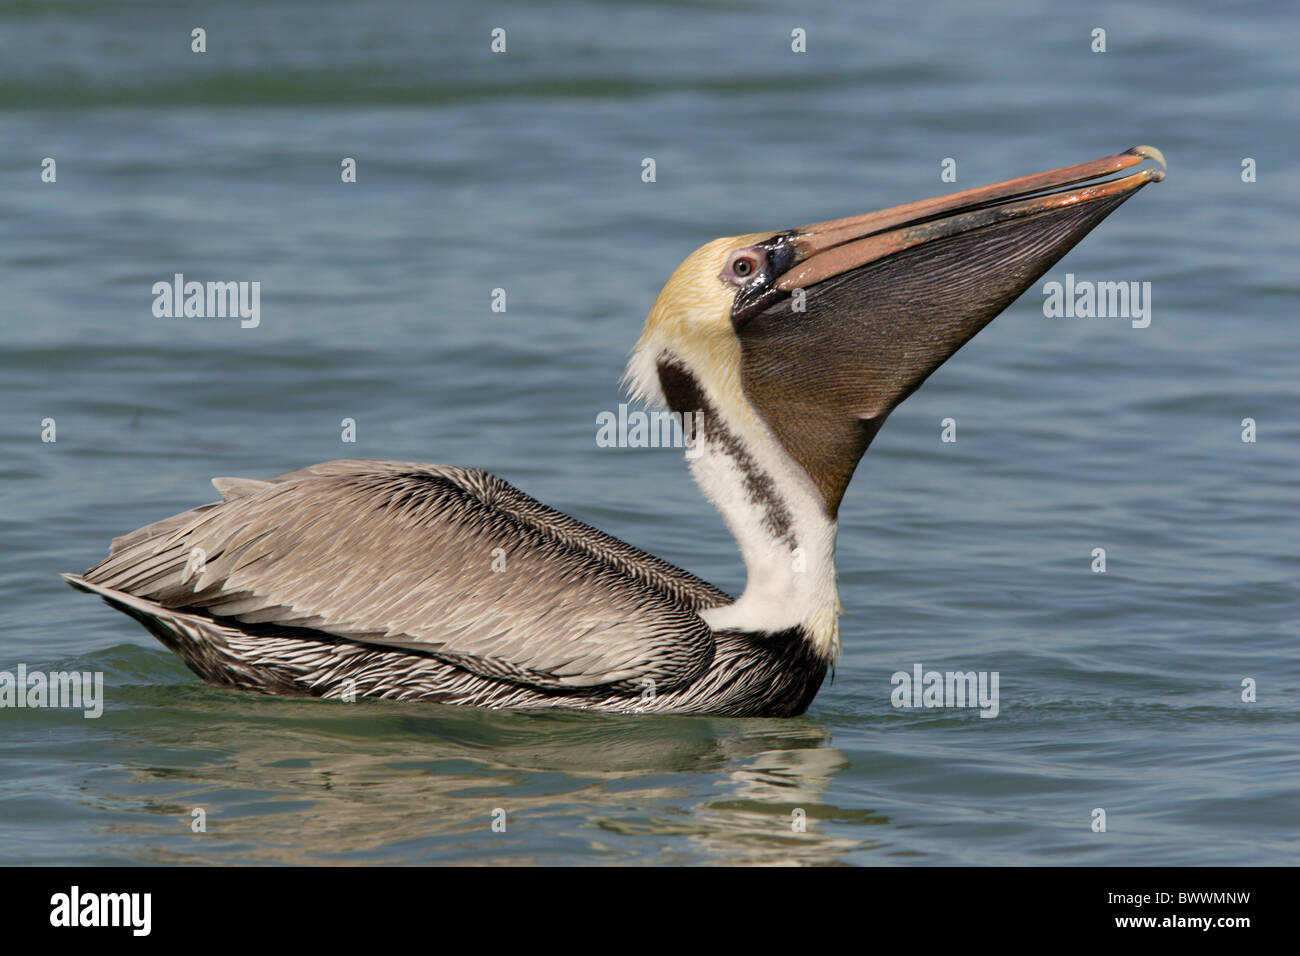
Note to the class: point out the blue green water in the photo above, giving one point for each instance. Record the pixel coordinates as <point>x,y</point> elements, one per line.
<point>522,171</point>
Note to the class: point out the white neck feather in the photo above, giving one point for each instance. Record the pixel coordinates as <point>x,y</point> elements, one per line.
<point>776,515</point>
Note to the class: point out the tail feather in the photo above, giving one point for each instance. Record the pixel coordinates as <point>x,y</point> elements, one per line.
<point>199,640</point>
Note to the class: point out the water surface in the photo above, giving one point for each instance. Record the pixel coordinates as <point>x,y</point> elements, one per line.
<point>523,171</point>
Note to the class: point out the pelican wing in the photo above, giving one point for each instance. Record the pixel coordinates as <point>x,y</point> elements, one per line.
<point>450,562</point>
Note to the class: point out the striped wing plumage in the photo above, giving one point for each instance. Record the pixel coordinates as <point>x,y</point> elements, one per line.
<point>450,562</point>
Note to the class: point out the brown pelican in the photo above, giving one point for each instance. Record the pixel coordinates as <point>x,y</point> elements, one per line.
<point>414,581</point>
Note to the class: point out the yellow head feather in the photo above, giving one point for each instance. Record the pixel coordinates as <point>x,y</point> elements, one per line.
<point>691,318</point>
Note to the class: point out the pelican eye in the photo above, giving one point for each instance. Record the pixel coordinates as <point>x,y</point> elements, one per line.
<point>743,265</point>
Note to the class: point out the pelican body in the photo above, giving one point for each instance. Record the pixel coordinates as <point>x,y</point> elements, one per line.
<point>412,581</point>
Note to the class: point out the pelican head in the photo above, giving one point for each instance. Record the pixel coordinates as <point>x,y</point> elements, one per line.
<point>794,347</point>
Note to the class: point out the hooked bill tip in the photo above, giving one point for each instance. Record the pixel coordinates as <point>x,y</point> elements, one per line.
<point>1150,152</point>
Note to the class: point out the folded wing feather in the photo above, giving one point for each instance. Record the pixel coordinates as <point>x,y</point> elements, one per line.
<point>450,562</point>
